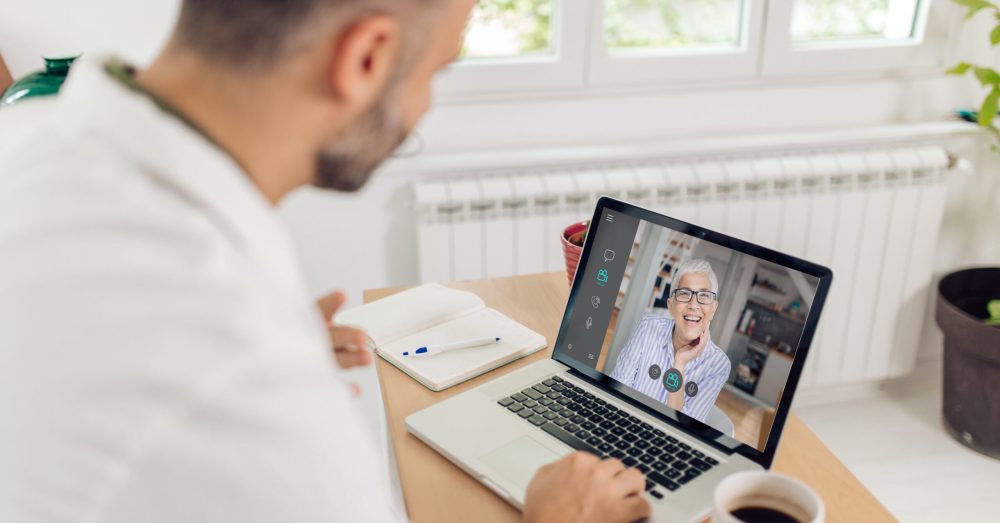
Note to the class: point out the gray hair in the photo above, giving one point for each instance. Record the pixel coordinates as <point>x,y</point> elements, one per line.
<point>695,265</point>
<point>256,34</point>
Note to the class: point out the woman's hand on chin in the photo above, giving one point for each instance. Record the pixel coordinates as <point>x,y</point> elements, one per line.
<point>692,350</point>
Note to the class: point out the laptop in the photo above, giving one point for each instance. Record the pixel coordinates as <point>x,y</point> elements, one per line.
<point>679,353</point>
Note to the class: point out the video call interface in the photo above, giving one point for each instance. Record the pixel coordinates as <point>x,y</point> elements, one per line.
<point>698,327</point>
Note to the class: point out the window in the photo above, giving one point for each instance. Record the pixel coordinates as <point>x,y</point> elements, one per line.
<point>509,29</point>
<point>531,45</point>
<point>853,20</point>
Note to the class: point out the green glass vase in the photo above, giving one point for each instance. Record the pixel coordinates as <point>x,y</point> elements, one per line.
<point>39,83</point>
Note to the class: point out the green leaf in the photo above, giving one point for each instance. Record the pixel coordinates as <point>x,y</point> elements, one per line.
<point>993,307</point>
<point>959,69</point>
<point>987,76</point>
<point>989,109</point>
<point>995,36</point>
<point>974,6</point>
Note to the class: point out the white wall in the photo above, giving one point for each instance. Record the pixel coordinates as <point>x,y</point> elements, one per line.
<point>367,240</point>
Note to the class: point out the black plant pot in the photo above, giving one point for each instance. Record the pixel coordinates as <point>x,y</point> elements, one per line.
<point>971,358</point>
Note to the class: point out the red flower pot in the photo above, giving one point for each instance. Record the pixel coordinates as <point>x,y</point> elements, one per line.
<point>572,242</point>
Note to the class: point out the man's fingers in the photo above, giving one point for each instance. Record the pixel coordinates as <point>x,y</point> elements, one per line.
<point>331,303</point>
<point>629,482</point>
<point>635,508</point>
<point>348,360</point>
<point>609,468</point>
<point>349,339</point>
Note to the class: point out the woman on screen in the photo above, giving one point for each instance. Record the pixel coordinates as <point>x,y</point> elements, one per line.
<point>673,359</point>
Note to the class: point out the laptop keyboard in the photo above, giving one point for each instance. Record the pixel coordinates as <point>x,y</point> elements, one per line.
<point>588,423</point>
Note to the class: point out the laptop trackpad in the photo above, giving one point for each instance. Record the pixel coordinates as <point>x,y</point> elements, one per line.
<point>518,460</point>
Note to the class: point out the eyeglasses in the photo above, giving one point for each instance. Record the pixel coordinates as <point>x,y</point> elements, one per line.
<point>684,295</point>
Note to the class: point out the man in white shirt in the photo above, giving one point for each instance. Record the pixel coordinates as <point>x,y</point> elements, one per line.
<point>160,359</point>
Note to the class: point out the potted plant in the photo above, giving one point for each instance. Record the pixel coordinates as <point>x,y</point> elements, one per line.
<point>573,238</point>
<point>968,306</point>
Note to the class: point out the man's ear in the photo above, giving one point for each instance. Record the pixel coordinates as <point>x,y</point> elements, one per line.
<point>364,59</point>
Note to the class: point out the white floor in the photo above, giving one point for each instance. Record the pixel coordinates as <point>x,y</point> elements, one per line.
<point>896,445</point>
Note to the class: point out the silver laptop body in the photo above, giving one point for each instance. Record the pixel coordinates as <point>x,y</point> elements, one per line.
<point>503,431</point>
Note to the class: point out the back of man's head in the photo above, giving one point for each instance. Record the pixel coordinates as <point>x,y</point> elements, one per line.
<point>256,34</point>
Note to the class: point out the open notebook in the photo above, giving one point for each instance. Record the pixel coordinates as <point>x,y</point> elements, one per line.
<point>435,314</point>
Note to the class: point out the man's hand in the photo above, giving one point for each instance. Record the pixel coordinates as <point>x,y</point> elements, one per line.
<point>582,488</point>
<point>350,345</point>
<point>689,352</point>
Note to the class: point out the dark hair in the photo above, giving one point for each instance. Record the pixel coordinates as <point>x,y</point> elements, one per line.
<point>257,33</point>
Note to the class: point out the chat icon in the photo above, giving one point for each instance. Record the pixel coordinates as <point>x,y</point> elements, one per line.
<point>609,255</point>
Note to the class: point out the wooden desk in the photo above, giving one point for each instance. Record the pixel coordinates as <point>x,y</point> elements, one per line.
<point>436,490</point>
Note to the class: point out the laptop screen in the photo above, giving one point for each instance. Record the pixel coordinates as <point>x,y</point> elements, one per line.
<point>705,328</point>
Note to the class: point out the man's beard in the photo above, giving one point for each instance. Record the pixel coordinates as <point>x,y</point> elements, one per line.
<point>346,164</point>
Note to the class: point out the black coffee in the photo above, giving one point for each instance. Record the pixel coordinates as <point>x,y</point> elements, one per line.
<point>762,515</point>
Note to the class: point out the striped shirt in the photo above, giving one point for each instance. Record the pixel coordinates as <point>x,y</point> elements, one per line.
<point>651,343</point>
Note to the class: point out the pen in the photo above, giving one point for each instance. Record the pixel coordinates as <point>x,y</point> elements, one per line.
<point>431,350</point>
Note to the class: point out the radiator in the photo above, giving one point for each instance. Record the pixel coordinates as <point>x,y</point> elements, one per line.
<point>873,216</point>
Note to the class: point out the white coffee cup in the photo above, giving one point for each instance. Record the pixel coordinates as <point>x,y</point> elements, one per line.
<point>766,490</point>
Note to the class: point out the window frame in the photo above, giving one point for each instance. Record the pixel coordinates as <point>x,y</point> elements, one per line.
<point>676,67</point>
<point>563,69</point>
<point>926,50</point>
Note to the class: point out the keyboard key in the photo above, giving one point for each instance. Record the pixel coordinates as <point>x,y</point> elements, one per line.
<point>634,419</point>
<point>658,465</point>
<point>563,401</point>
<point>530,404</point>
<point>553,395</point>
<point>685,446</point>
<point>612,416</point>
<point>712,461</point>
<point>618,431</point>
<point>588,395</point>
<point>641,443</point>
<point>647,435</point>
<point>699,464</point>
<point>557,378</point>
<point>515,407</point>
<point>663,480</point>
<point>698,453</point>
<point>569,439</point>
<point>611,438</point>
<point>549,382</point>
<point>629,437</point>
<point>574,406</point>
<point>622,444</point>
<point>578,419</point>
<point>659,433</point>
<point>630,462</point>
<point>667,458</point>
<point>658,442</point>
<point>526,413</point>
<point>505,402</point>
<point>671,439</point>
<point>561,421</point>
<point>649,485</point>
<point>550,415</point>
<point>600,401</point>
<point>654,451</point>
<point>582,434</point>
<point>542,389</point>
<point>684,456</point>
<point>558,387</point>
<point>519,397</point>
<point>673,449</point>
<point>643,468</point>
<point>545,401</point>
<point>692,473</point>
<point>605,447</point>
<point>531,393</point>
<point>656,494</point>
<point>679,465</point>
<point>595,441</point>
<point>672,473</point>
<point>634,429</point>
<point>538,419</point>
<point>622,422</point>
<point>555,407</point>
<point>572,427</point>
<point>606,425</point>
<point>646,426</point>
<point>599,432</point>
<point>588,425</point>
<point>683,480</point>
<point>612,408</point>
<point>634,452</point>
<point>647,459</point>
<point>617,454</point>
<point>585,412</point>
